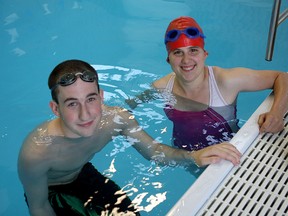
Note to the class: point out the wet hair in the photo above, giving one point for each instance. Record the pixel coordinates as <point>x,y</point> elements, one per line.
<point>69,66</point>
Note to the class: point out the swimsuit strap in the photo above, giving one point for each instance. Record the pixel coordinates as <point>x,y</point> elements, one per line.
<point>216,98</point>
<point>169,86</point>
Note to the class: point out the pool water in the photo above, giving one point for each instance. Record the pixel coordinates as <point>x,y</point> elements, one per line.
<point>123,39</point>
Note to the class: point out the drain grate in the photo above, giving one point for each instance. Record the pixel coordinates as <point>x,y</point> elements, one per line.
<point>258,185</point>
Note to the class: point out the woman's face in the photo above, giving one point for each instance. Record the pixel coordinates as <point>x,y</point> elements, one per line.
<point>188,62</point>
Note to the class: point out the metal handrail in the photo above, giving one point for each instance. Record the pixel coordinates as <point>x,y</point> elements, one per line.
<point>276,20</point>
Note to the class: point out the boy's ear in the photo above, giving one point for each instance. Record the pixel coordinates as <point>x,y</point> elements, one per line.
<point>101,93</point>
<point>54,107</point>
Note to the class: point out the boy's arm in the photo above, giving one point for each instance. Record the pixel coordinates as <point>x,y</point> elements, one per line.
<point>32,171</point>
<point>165,154</point>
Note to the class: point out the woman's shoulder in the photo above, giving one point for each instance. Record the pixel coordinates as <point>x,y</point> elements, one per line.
<point>222,73</point>
<point>163,81</point>
<point>216,69</point>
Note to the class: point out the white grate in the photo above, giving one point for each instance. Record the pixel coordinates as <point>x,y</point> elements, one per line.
<point>258,185</point>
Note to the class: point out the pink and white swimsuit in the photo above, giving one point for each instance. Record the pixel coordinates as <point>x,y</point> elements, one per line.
<point>194,130</point>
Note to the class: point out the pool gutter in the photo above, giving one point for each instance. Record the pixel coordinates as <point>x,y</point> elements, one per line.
<point>206,195</point>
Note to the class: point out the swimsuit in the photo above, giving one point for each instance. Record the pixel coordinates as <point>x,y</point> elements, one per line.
<point>91,194</point>
<point>194,130</point>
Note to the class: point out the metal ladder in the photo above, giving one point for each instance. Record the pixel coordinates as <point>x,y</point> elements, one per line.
<point>276,20</point>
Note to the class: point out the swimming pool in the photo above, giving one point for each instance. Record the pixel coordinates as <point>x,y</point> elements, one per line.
<point>124,39</point>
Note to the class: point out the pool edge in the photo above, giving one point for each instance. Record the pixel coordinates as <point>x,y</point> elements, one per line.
<point>201,190</point>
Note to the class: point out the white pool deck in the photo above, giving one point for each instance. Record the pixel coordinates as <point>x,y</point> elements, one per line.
<point>256,187</point>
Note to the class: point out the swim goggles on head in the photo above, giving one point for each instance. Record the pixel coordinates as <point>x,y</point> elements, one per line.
<point>190,32</point>
<point>70,78</point>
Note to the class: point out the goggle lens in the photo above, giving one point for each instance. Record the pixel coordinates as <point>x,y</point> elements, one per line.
<point>88,76</point>
<point>67,79</point>
<point>192,32</point>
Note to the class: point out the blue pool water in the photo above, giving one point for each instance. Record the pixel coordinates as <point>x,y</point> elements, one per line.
<point>124,40</point>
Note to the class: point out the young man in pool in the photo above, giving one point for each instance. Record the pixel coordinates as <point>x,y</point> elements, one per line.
<point>53,163</point>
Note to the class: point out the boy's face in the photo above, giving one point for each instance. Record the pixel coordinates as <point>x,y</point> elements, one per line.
<point>79,108</point>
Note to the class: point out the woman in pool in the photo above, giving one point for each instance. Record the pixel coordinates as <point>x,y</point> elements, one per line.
<point>202,99</point>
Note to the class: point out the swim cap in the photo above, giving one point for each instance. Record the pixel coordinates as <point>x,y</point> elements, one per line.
<point>182,23</point>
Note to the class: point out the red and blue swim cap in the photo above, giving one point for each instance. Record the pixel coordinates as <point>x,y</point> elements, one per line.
<point>183,31</point>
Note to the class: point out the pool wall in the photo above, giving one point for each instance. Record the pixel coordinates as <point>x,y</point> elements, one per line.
<point>37,35</point>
